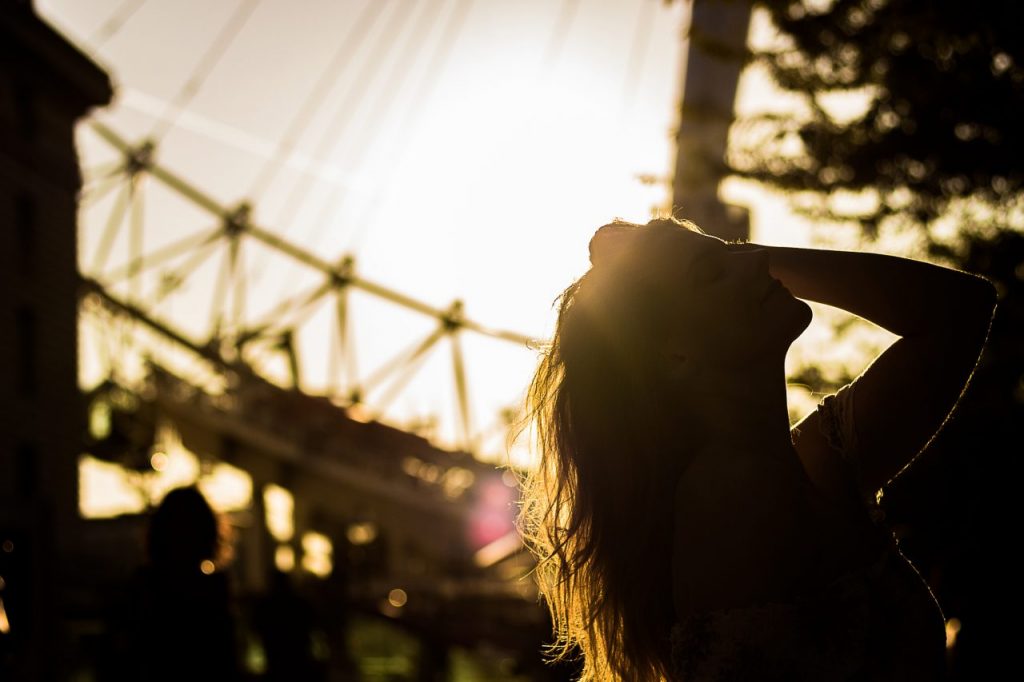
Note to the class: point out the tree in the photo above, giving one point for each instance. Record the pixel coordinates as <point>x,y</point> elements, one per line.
<point>931,122</point>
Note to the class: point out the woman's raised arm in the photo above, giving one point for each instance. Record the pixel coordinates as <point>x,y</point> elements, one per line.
<point>906,394</point>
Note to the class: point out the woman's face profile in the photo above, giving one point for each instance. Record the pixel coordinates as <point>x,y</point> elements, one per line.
<point>724,306</point>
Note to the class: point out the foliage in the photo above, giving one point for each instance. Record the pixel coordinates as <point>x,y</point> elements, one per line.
<point>937,88</point>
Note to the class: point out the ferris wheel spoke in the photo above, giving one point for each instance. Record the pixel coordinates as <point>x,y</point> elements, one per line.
<point>174,280</point>
<point>162,254</point>
<point>102,172</point>
<point>346,347</point>
<point>461,392</point>
<point>136,234</point>
<point>114,221</point>
<point>404,358</point>
<point>220,292</point>
<point>238,277</point>
<point>279,316</point>
<point>381,405</point>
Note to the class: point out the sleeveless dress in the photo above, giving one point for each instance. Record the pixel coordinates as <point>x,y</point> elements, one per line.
<point>877,620</point>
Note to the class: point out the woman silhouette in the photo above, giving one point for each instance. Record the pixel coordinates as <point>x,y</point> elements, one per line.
<point>177,621</point>
<point>684,531</point>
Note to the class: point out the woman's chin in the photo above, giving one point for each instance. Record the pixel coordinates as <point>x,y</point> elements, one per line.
<point>795,316</point>
<point>802,316</point>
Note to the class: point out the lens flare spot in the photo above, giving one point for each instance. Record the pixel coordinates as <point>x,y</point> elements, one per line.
<point>5,624</point>
<point>284,558</point>
<point>158,461</point>
<point>317,550</point>
<point>397,597</point>
<point>952,630</point>
<point>280,512</point>
<point>362,533</point>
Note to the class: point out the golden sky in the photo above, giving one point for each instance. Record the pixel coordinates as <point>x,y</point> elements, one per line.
<point>460,149</point>
<point>481,180</point>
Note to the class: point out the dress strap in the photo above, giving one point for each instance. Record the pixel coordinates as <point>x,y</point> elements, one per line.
<point>839,427</point>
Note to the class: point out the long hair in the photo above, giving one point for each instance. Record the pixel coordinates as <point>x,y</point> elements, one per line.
<point>184,531</point>
<point>597,511</point>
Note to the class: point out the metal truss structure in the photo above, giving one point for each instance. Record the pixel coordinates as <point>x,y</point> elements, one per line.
<point>232,337</point>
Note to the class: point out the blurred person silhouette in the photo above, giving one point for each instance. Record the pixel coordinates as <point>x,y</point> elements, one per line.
<point>178,622</point>
<point>684,530</point>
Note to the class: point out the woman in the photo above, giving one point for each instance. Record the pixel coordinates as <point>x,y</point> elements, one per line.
<point>178,621</point>
<point>684,530</point>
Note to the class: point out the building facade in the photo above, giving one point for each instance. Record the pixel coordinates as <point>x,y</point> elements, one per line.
<point>46,85</point>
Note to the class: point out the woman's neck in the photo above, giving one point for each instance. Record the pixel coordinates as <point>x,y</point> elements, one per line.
<point>747,411</point>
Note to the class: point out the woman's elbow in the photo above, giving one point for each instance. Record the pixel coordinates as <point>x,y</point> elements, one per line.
<point>975,308</point>
<point>972,299</point>
<point>987,293</point>
<point>986,299</point>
